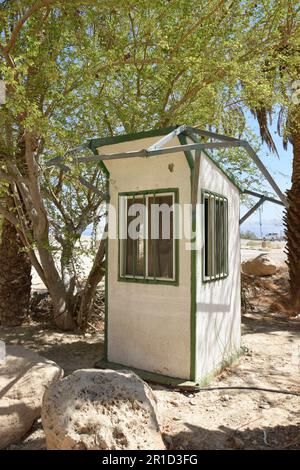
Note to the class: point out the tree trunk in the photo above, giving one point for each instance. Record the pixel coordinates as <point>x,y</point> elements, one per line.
<point>63,312</point>
<point>15,277</point>
<point>62,307</point>
<point>292,217</point>
<point>68,274</point>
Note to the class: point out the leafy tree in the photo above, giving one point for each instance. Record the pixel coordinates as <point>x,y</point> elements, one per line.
<point>249,235</point>
<point>78,68</point>
<point>46,74</point>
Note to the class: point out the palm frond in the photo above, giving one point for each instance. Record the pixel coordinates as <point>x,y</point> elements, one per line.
<point>262,116</point>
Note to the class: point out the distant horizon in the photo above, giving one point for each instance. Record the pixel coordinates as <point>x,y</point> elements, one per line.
<point>268,226</point>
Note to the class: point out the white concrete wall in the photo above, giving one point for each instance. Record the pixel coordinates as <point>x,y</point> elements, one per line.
<point>218,302</point>
<point>149,324</point>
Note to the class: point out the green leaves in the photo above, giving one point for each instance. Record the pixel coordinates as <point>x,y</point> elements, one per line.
<point>76,69</point>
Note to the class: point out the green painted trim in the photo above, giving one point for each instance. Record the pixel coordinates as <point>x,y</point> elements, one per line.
<point>176,236</point>
<point>193,309</point>
<point>188,154</point>
<point>145,375</point>
<point>104,168</point>
<point>133,246</point>
<point>225,172</point>
<point>106,276</point>
<point>221,366</point>
<point>173,381</point>
<point>100,142</point>
<point>171,282</point>
<point>145,241</point>
<point>149,191</point>
<point>154,246</point>
<point>93,144</point>
<point>220,278</point>
<point>119,241</point>
<point>193,315</point>
<point>213,193</point>
<point>138,280</point>
<point>101,163</point>
<point>107,176</point>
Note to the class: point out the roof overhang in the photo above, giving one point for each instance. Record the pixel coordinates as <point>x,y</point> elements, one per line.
<point>158,148</point>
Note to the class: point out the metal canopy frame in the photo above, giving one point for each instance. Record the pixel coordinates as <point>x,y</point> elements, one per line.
<point>262,198</point>
<point>220,141</point>
<point>59,162</point>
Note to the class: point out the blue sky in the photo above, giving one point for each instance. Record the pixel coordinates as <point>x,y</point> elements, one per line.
<point>281,170</point>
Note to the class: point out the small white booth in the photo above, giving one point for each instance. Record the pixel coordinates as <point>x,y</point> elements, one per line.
<point>172,301</point>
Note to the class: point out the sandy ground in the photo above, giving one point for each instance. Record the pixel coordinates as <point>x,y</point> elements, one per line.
<point>219,419</point>
<point>70,350</point>
<point>234,419</point>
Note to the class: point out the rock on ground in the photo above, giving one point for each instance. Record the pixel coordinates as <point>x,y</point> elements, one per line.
<point>101,409</point>
<point>259,266</point>
<point>24,377</point>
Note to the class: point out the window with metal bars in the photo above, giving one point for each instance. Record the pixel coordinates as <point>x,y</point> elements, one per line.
<point>147,244</point>
<point>215,227</point>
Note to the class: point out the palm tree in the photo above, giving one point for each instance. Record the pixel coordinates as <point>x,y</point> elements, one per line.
<point>290,134</point>
<point>292,215</point>
<point>15,275</point>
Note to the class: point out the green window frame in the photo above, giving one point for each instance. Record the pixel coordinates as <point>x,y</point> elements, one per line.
<point>140,269</point>
<point>215,236</point>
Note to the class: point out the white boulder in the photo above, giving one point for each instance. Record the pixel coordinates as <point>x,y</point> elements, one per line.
<point>24,376</point>
<point>101,409</point>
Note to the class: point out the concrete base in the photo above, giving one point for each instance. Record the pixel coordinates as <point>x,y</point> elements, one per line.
<point>149,376</point>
